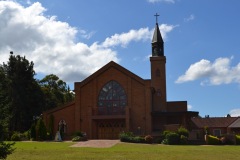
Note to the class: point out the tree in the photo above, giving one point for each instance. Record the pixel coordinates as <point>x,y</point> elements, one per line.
<point>56,92</point>
<point>5,148</point>
<point>23,96</point>
<point>4,104</point>
<point>41,131</point>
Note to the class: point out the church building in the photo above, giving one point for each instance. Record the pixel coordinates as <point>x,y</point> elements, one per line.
<point>113,100</point>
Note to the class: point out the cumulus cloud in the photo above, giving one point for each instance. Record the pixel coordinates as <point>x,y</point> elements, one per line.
<point>189,107</point>
<point>235,112</point>
<point>155,1</point>
<point>52,44</point>
<point>142,34</point>
<point>213,73</point>
<point>190,18</point>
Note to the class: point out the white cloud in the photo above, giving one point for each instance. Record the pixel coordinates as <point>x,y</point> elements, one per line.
<point>142,34</point>
<point>124,39</point>
<point>51,44</point>
<point>216,73</point>
<point>189,107</point>
<point>190,18</point>
<point>155,1</point>
<point>235,112</point>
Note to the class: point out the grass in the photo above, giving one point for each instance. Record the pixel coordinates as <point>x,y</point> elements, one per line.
<point>122,151</point>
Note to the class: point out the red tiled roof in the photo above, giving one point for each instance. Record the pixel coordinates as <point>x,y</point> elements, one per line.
<point>214,122</point>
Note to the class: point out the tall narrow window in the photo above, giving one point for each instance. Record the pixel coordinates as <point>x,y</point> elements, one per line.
<point>62,126</point>
<point>112,99</point>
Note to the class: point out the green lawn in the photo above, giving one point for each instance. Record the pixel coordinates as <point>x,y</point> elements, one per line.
<point>122,151</point>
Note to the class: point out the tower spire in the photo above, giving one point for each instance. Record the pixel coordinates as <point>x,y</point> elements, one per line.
<point>157,41</point>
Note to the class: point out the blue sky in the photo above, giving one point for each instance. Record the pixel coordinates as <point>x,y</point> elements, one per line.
<point>73,39</point>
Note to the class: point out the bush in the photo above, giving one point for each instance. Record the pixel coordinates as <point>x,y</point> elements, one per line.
<point>25,136</point>
<point>33,132</point>
<point>228,139</point>
<point>5,149</point>
<point>78,133</point>
<point>183,139</point>
<point>41,130</point>
<point>78,138</point>
<point>129,137</point>
<point>238,139</point>
<point>16,136</point>
<point>165,141</point>
<point>173,138</point>
<point>126,136</point>
<point>212,140</point>
<point>165,133</point>
<point>148,139</point>
<point>183,131</point>
<point>137,139</point>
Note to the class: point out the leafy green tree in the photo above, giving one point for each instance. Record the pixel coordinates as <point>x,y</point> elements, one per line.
<point>22,97</point>
<point>5,148</point>
<point>41,130</point>
<point>56,92</point>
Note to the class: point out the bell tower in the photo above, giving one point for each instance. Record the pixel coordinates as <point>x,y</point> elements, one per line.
<point>158,71</point>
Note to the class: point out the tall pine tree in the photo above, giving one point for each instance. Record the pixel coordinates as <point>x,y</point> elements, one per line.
<point>23,91</point>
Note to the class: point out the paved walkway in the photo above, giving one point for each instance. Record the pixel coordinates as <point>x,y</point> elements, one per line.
<point>97,143</point>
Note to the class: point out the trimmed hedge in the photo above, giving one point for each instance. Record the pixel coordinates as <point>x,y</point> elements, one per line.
<point>212,140</point>
<point>129,137</point>
<point>238,139</point>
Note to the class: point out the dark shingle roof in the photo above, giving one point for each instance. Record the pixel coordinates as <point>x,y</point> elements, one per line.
<point>214,122</point>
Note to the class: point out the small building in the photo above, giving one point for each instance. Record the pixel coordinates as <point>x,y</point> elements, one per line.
<point>113,100</point>
<point>215,126</point>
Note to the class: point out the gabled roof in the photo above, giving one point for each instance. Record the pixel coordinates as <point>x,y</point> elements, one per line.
<point>235,124</point>
<point>214,122</point>
<point>112,64</point>
<point>69,104</point>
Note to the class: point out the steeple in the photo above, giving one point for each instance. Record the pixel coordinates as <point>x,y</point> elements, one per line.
<point>157,41</point>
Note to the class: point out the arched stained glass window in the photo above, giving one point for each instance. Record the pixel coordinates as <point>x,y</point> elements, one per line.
<point>112,99</point>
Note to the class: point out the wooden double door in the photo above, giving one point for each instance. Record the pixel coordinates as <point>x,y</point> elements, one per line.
<point>110,129</point>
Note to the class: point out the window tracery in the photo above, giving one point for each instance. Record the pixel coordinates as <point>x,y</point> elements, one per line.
<point>112,99</point>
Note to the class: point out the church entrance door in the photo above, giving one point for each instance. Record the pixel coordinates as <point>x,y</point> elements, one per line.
<point>110,129</point>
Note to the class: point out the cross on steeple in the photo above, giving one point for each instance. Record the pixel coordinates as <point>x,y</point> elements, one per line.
<point>156,15</point>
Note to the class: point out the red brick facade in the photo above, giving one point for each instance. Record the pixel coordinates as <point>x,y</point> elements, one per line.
<point>143,108</point>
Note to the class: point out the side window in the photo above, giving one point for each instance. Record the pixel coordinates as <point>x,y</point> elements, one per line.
<point>62,126</point>
<point>217,132</point>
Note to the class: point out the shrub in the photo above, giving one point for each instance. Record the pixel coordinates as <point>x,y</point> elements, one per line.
<point>212,140</point>
<point>33,132</point>
<point>165,141</point>
<point>41,130</point>
<point>5,149</point>
<point>25,136</point>
<point>126,136</point>
<point>137,139</point>
<point>165,133</point>
<point>172,138</point>
<point>228,139</point>
<point>78,138</point>
<point>148,139</point>
<point>238,139</point>
<point>50,134</point>
<point>129,137</point>
<point>183,139</point>
<point>16,136</point>
<point>183,131</point>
